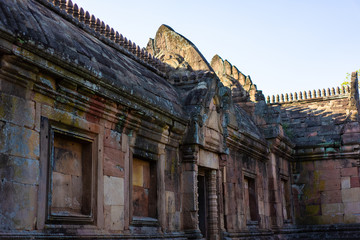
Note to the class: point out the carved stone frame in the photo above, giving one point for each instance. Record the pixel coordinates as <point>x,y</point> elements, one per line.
<point>47,130</point>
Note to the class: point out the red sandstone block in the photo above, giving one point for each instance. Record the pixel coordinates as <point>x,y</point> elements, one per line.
<point>309,166</point>
<point>351,208</point>
<point>333,196</point>
<point>354,182</point>
<point>331,184</point>
<point>113,162</point>
<point>329,174</point>
<point>353,171</point>
<point>328,164</point>
<point>112,139</point>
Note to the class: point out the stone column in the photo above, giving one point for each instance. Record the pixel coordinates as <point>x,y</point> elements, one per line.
<point>189,194</point>
<point>275,202</point>
<point>213,207</point>
<point>220,182</point>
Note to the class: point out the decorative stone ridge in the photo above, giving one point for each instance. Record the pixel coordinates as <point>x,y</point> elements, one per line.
<point>307,95</point>
<point>243,89</point>
<point>175,50</point>
<point>102,30</point>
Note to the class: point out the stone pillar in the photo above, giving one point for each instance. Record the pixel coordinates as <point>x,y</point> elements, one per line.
<point>190,219</point>
<point>220,183</point>
<point>161,188</point>
<point>275,202</point>
<point>353,108</point>
<point>213,207</point>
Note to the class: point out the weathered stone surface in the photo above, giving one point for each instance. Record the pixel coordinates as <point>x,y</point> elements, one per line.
<point>117,218</point>
<point>113,162</point>
<point>112,139</point>
<point>18,141</point>
<point>17,205</point>
<point>177,51</point>
<point>350,195</point>
<point>68,156</point>
<point>61,194</point>
<point>113,190</point>
<point>21,170</point>
<point>17,111</point>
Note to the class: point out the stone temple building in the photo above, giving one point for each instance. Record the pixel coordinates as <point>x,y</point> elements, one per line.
<point>102,139</point>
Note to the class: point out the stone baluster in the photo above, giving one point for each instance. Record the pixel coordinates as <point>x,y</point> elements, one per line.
<point>126,43</point>
<point>305,95</point>
<point>129,45</point>
<point>268,99</point>
<point>70,7</point>
<point>282,98</point>
<point>328,92</point>
<point>273,99</point>
<point>146,56</point>
<point>338,90</point>
<point>291,97</point>
<point>92,22</point>
<point>107,31</point>
<point>76,11</point>
<point>319,93</point>
<point>143,54</point>
<point>314,93</point>
<point>121,40</point>
<point>332,91</point>
<point>87,18</point>
<point>97,25</point>
<point>296,96</point>
<point>343,91</point>
<point>277,98</point>
<point>63,4</point>
<point>138,51</point>
<point>309,94</point>
<point>323,92</point>
<point>286,97</point>
<point>347,89</point>
<point>134,47</point>
<point>117,37</point>
<point>102,28</point>
<point>82,15</point>
<point>112,34</point>
<point>300,96</point>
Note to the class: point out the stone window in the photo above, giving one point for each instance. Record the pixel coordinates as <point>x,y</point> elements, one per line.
<point>285,200</point>
<point>250,200</point>
<point>144,189</point>
<point>70,159</point>
<point>71,176</point>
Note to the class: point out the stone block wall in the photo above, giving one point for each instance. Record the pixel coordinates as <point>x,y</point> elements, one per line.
<point>64,148</point>
<point>326,191</point>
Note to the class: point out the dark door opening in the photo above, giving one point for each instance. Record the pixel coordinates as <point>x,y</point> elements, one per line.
<point>203,204</point>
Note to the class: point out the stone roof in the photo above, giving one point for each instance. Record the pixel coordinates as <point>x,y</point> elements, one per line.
<point>57,35</point>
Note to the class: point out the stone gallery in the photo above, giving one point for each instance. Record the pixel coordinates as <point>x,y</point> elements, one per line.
<point>102,139</point>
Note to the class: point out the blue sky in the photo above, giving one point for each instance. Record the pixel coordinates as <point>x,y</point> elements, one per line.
<point>284,45</point>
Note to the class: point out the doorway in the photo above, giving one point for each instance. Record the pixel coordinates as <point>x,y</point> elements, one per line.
<point>203,204</point>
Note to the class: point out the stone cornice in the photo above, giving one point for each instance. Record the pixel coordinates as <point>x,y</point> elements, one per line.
<point>245,142</point>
